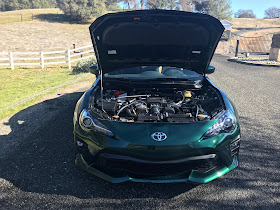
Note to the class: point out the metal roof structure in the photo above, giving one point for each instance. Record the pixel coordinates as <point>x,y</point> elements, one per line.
<point>227,24</point>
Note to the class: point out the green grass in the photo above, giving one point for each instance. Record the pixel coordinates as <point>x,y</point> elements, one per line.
<point>18,84</point>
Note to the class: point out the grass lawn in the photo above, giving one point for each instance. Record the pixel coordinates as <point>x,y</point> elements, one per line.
<point>18,84</point>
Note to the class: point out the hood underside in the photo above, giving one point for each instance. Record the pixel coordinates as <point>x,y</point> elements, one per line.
<point>155,37</point>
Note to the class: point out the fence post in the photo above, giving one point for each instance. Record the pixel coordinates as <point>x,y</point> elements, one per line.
<point>12,60</point>
<point>74,46</point>
<point>237,48</point>
<point>69,59</point>
<point>42,60</point>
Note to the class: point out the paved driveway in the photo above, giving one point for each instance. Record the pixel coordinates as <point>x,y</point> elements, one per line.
<point>37,169</point>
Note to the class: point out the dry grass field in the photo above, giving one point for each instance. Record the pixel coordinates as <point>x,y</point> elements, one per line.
<point>26,15</point>
<point>42,36</point>
<point>49,30</point>
<point>261,32</point>
<point>239,23</point>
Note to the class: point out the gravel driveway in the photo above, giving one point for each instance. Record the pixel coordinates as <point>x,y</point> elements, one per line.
<point>37,168</point>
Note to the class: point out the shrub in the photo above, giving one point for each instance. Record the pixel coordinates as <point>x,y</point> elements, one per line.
<point>83,66</point>
<point>114,7</point>
<point>82,9</point>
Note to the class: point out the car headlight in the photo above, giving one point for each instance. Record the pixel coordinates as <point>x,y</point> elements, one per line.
<point>88,123</point>
<point>225,124</point>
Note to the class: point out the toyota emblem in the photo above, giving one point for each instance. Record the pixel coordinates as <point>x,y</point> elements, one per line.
<point>159,136</point>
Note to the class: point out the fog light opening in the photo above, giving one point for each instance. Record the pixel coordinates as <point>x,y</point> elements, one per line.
<point>234,146</point>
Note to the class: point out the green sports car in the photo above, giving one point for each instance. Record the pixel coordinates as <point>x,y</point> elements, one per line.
<point>152,114</point>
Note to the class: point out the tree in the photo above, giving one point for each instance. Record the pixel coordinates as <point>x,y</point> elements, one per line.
<point>173,4</point>
<point>43,4</point>
<point>112,5</point>
<point>156,4</point>
<point>186,5</point>
<point>201,6</point>
<point>130,3</point>
<point>142,4</point>
<point>17,4</point>
<point>220,9</point>
<point>2,5</point>
<point>272,12</point>
<point>241,13</point>
<point>163,4</point>
<point>7,5</point>
<point>82,9</point>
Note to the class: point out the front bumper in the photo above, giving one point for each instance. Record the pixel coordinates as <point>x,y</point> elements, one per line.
<point>194,176</point>
<point>198,163</point>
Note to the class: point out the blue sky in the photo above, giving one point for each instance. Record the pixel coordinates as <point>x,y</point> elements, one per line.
<point>258,6</point>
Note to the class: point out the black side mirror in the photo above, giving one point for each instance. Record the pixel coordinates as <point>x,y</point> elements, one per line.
<point>210,69</point>
<point>94,69</point>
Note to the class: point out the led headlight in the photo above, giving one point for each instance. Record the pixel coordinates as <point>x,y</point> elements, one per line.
<point>225,124</point>
<point>88,123</point>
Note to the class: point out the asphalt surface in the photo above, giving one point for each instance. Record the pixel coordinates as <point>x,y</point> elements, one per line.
<point>37,168</point>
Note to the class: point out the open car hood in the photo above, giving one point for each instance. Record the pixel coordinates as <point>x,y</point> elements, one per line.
<point>155,37</point>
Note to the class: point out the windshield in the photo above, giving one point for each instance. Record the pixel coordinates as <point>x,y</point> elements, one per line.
<point>154,72</point>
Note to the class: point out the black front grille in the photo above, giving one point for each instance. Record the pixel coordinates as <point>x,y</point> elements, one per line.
<point>121,167</point>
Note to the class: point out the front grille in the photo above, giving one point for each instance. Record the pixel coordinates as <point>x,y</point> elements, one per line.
<point>121,167</point>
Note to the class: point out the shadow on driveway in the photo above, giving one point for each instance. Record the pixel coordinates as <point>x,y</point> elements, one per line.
<point>42,161</point>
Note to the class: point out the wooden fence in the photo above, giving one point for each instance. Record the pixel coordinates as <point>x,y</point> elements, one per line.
<point>260,44</point>
<point>43,59</point>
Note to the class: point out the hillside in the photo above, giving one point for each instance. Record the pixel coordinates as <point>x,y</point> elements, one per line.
<point>241,23</point>
<point>26,15</point>
<point>49,30</point>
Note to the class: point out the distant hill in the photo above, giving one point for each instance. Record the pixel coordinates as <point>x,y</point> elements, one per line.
<point>244,23</point>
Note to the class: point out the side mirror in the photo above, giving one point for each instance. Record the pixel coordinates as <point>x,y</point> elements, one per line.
<point>94,69</point>
<point>210,69</point>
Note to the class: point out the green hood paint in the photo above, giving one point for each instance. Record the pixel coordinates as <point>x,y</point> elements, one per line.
<point>177,133</point>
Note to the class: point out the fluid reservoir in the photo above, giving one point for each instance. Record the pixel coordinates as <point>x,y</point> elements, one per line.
<point>187,94</point>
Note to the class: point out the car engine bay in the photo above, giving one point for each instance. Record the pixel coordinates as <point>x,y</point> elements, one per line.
<point>156,105</point>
